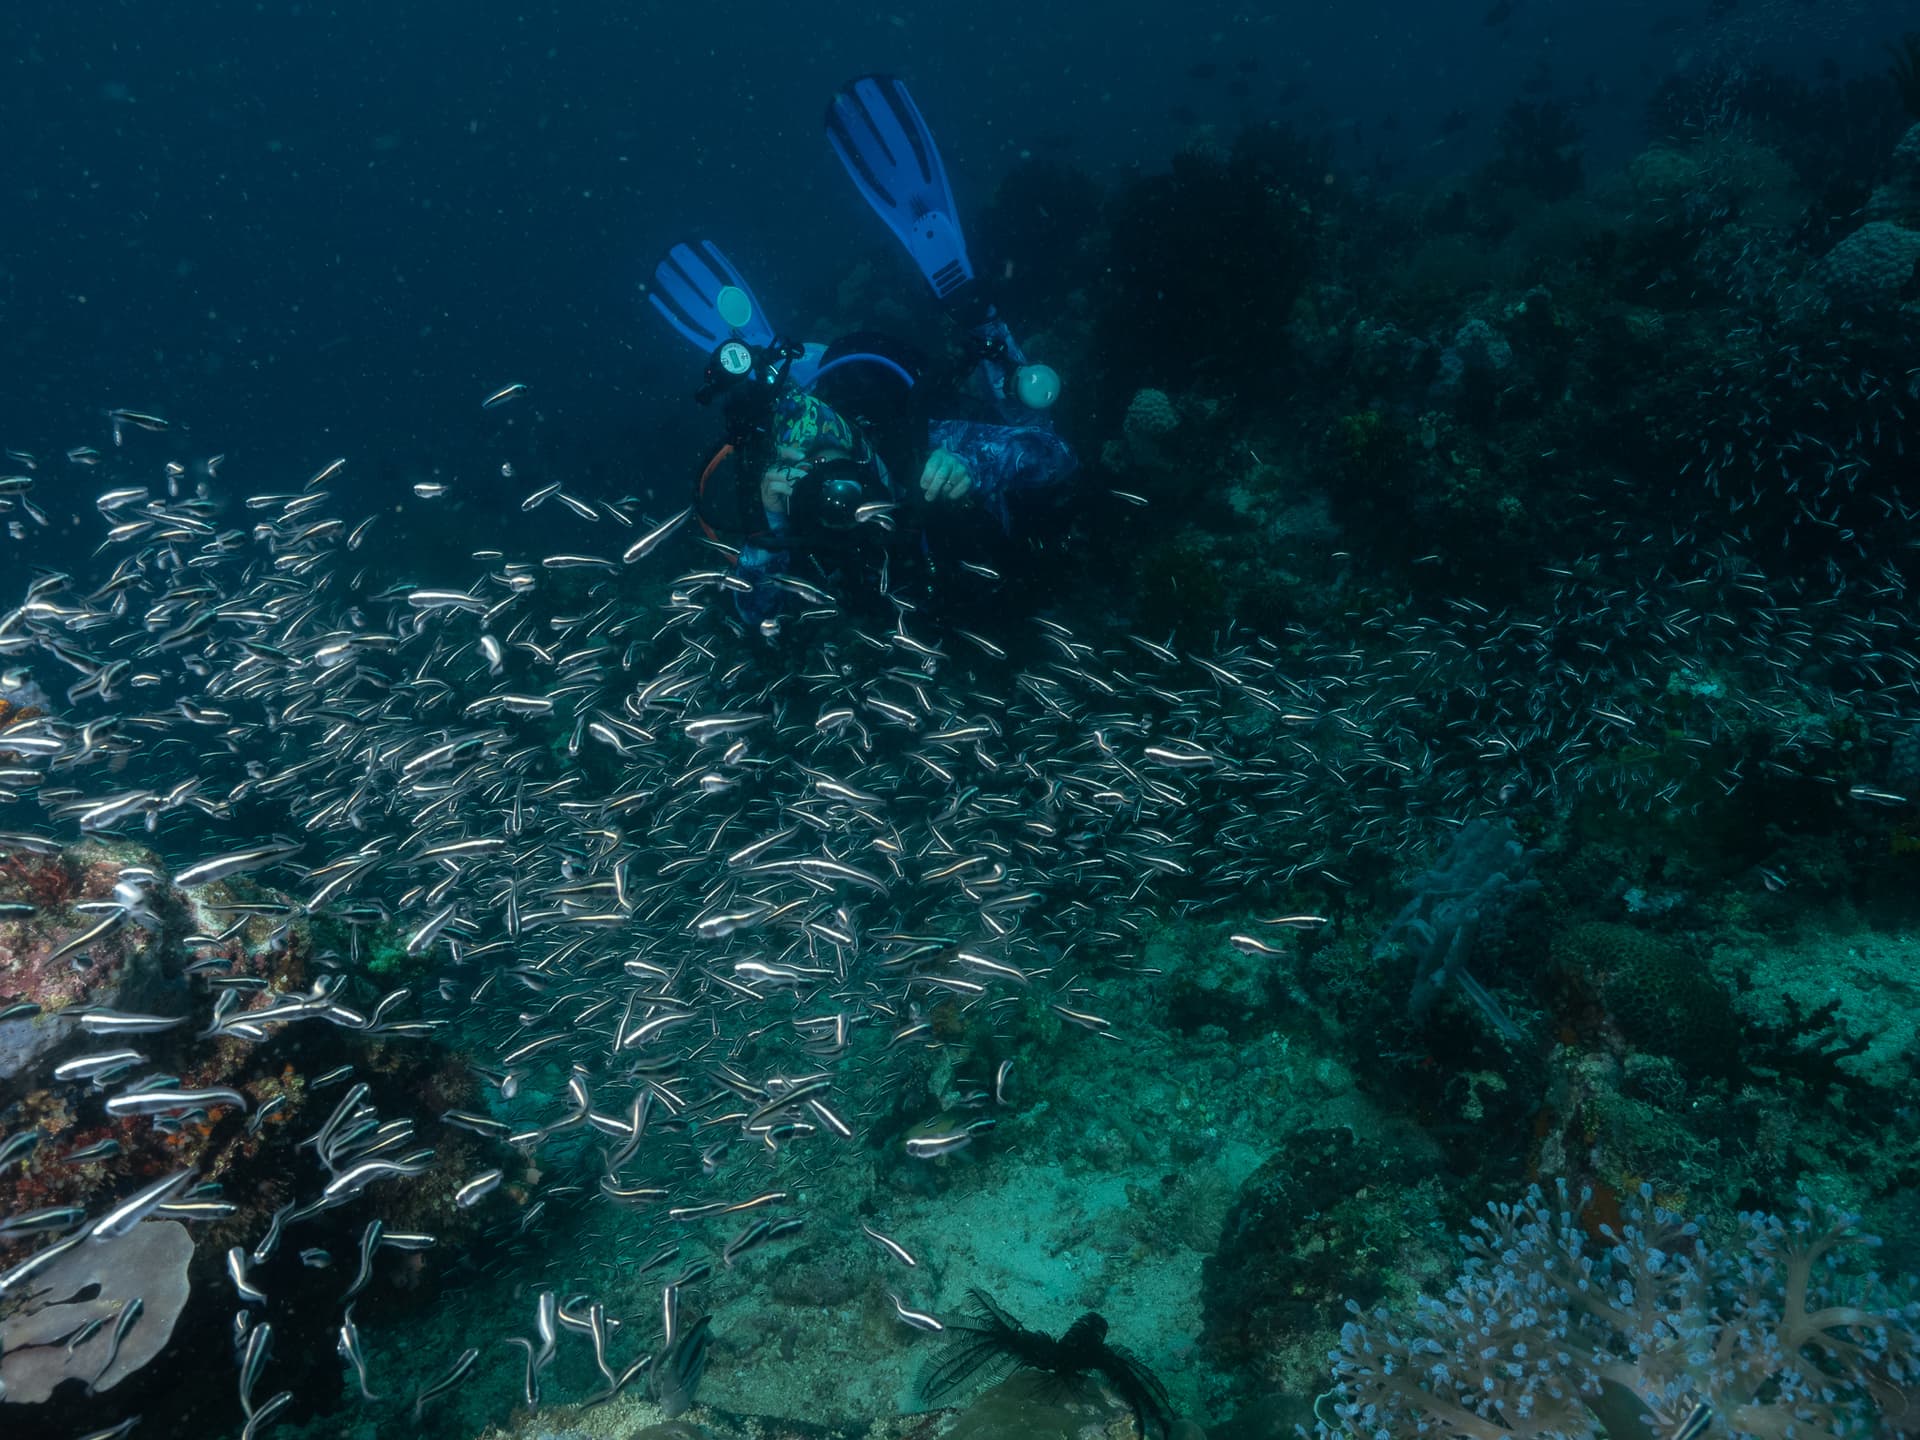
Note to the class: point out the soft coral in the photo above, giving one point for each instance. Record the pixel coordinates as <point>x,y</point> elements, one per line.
<point>1539,1336</point>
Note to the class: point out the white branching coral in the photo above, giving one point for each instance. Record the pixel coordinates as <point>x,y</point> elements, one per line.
<point>1546,1334</point>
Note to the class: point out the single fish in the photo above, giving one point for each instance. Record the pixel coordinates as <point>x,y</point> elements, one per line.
<point>656,537</point>
<point>446,1382</point>
<point>477,1189</point>
<point>914,1319</point>
<point>156,1102</point>
<point>240,862</point>
<point>137,1207</point>
<point>354,1353</point>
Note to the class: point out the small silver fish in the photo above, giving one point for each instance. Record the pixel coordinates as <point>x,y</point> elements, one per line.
<point>116,1022</point>
<point>655,537</point>
<point>353,1353</point>
<point>156,1102</point>
<point>137,418</point>
<point>221,867</point>
<point>1253,945</point>
<point>914,1319</point>
<point>446,1382</point>
<point>237,1262</point>
<point>135,1208</point>
<point>477,1189</point>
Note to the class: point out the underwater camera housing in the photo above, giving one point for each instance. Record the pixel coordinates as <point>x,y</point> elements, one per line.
<point>826,498</point>
<point>829,495</point>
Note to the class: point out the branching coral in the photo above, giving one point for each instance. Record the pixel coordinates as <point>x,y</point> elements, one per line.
<point>1658,1334</point>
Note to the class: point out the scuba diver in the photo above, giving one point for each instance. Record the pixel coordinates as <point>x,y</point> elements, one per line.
<point>862,454</point>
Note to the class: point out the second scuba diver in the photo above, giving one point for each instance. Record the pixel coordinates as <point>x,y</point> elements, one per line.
<point>818,477</point>
<point>852,456</point>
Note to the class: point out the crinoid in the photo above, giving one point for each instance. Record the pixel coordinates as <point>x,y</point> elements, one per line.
<point>1905,72</point>
<point>992,1344</point>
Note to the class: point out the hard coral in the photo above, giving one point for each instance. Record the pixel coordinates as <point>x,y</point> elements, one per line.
<point>94,1283</point>
<point>1654,993</point>
<point>1897,200</point>
<point>1150,417</point>
<point>43,880</point>
<point>117,968</point>
<point>1874,267</point>
<point>1545,1333</point>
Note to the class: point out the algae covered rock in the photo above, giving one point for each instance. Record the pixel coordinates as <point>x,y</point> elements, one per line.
<point>1328,1216</point>
<point>40,961</point>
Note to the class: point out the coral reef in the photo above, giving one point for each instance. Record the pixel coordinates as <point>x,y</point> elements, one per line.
<point>1540,149</point>
<point>1330,1215</point>
<point>1658,998</point>
<point>1532,551</point>
<point>1544,1332</point>
<point>1897,200</point>
<point>1469,889</point>
<point>1037,233</point>
<point>1205,262</point>
<point>1145,434</point>
<point>41,964</point>
<point>245,1157</point>
<point>1874,267</point>
<point>131,1291</point>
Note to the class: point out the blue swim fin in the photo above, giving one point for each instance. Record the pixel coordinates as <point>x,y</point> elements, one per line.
<point>703,297</point>
<point>876,130</point>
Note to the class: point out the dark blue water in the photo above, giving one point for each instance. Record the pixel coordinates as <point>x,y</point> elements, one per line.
<point>310,228</point>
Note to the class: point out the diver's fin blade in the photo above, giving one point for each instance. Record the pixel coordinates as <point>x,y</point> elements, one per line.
<point>702,295</point>
<point>886,147</point>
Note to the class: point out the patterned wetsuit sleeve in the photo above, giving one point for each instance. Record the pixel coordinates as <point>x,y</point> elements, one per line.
<point>1005,460</point>
<point>757,566</point>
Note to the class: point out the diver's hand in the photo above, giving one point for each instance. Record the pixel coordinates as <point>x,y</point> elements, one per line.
<point>945,477</point>
<point>776,486</point>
